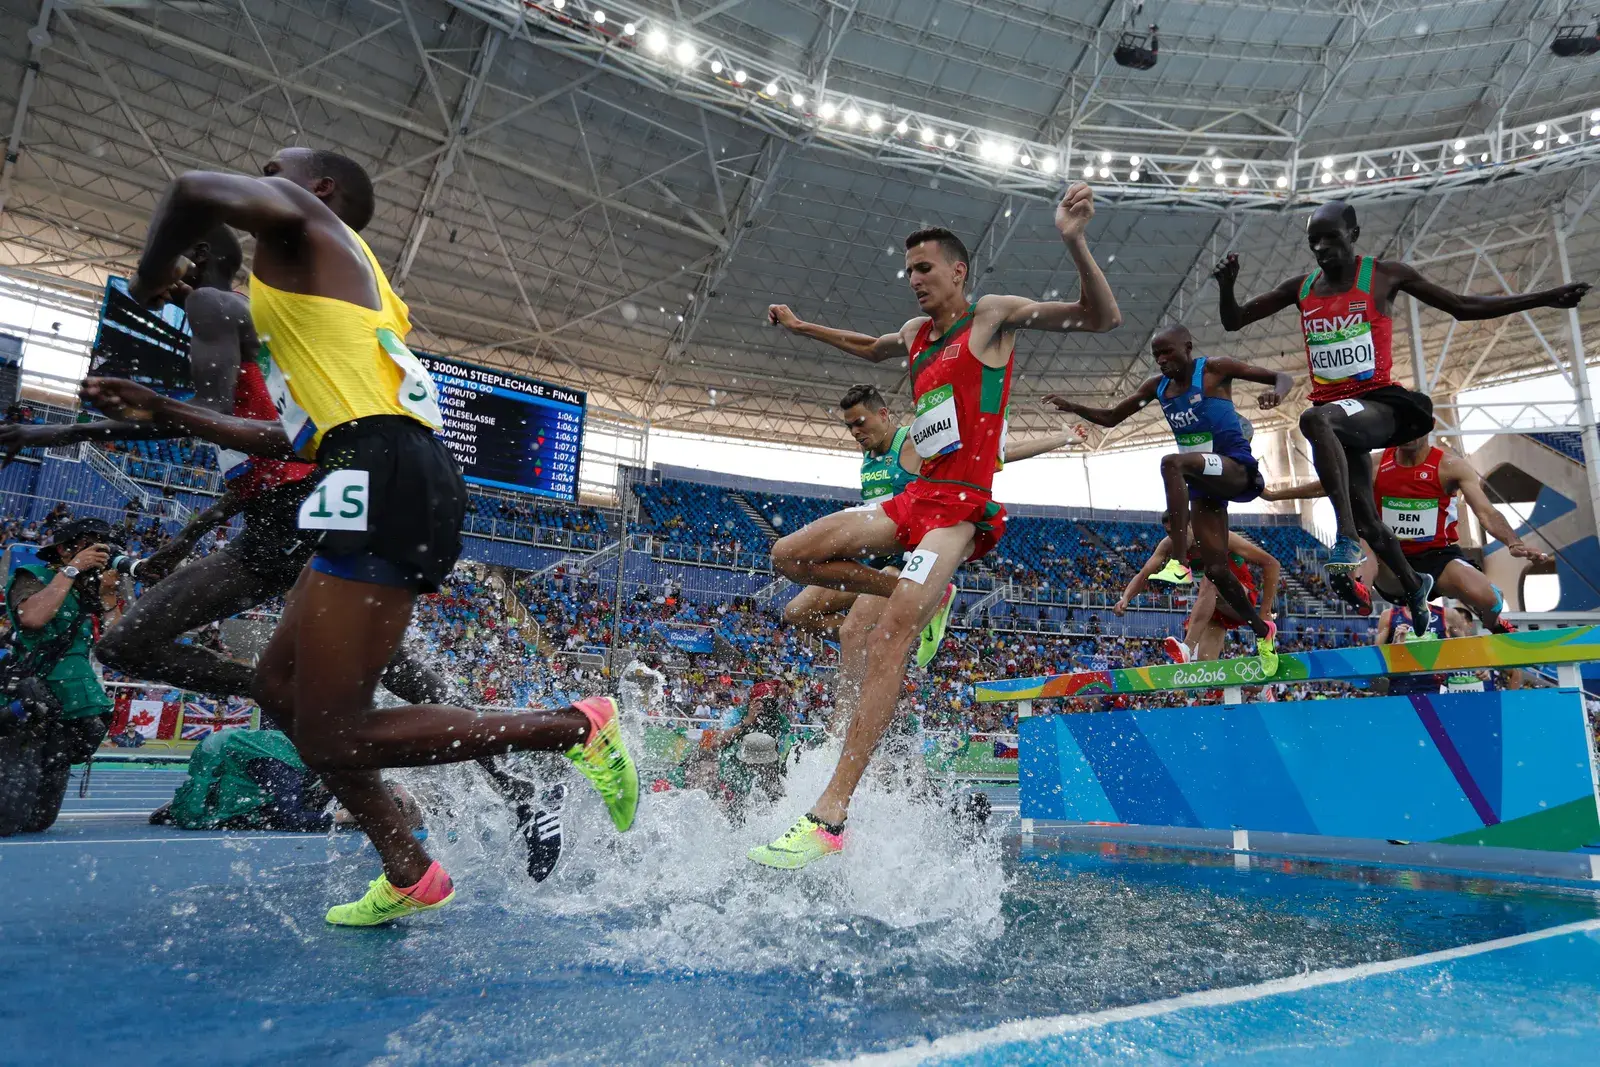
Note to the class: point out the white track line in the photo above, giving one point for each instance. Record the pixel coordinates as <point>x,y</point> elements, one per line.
<point>1055,1025</point>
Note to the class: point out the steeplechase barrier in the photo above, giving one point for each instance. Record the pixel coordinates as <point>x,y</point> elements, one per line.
<point>1501,780</point>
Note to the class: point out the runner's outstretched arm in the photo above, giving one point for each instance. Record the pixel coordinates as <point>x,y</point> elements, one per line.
<point>1304,491</point>
<point>1028,449</point>
<point>133,402</point>
<point>1282,382</point>
<point>1236,316</point>
<point>1095,310</point>
<point>1112,416</point>
<point>1140,582</point>
<point>1469,483</point>
<point>1271,569</point>
<point>861,345</point>
<point>1469,306</point>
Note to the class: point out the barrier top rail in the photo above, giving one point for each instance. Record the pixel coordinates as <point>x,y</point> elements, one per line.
<point>1530,648</point>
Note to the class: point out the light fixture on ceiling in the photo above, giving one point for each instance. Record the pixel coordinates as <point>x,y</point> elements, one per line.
<point>852,116</point>
<point>739,77</point>
<point>1538,146</point>
<point>716,66</point>
<point>1244,179</point>
<point>771,89</point>
<point>949,140</point>
<point>1194,177</point>
<point>926,134</point>
<point>1105,157</point>
<point>798,100</point>
<point>629,29</point>
<point>1048,164</point>
<point>1282,182</point>
<point>1105,172</point>
<point>685,53</point>
<point>1350,175</point>
<point>827,110</point>
<point>1220,178</point>
<point>1460,144</point>
<point>1459,159</point>
<point>874,121</point>
<point>901,127</point>
<point>656,41</point>
<point>1133,175</point>
<point>599,17</point>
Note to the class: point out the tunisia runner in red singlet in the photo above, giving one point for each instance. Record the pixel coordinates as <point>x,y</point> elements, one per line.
<point>959,432</point>
<point>1414,503</point>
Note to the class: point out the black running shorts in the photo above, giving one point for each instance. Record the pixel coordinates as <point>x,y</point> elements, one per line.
<point>1433,562</point>
<point>272,546</point>
<point>392,490</point>
<point>1412,416</point>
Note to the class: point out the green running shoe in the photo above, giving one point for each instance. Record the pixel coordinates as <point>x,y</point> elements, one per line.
<point>933,633</point>
<point>1267,650</point>
<point>1174,573</point>
<point>384,903</point>
<point>805,842</point>
<point>604,760</point>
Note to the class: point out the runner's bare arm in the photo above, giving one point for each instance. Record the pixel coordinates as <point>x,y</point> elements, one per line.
<point>1236,316</point>
<point>1140,582</point>
<point>1095,310</point>
<point>861,345</point>
<point>1281,381</point>
<point>133,402</point>
<point>1028,449</point>
<point>1405,278</point>
<point>198,201</point>
<point>1304,491</point>
<point>1108,416</point>
<point>909,460</point>
<point>1271,569</point>
<point>1469,483</point>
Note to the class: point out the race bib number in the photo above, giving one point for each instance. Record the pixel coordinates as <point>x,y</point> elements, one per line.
<point>1410,519</point>
<point>1213,464</point>
<point>339,502</point>
<point>936,431</point>
<point>1350,407</point>
<point>297,425</point>
<point>418,394</point>
<point>875,504</point>
<point>919,564</point>
<point>1193,442</point>
<point>1344,354</point>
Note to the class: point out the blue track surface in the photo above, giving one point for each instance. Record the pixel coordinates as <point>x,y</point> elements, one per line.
<point>127,944</point>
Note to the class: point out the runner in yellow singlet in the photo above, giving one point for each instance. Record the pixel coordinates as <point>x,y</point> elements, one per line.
<point>388,512</point>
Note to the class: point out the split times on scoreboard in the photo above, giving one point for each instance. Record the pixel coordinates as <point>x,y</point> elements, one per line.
<point>510,432</point>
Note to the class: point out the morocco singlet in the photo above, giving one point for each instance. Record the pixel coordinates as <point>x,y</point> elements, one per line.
<point>1347,338</point>
<point>959,432</point>
<point>1241,570</point>
<point>1414,502</point>
<point>882,474</point>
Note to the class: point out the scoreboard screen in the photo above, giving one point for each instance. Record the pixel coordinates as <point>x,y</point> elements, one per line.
<point>148,345</point>
<point>510,432</point>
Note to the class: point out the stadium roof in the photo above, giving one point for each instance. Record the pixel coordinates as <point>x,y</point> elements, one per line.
<point>612,204</point>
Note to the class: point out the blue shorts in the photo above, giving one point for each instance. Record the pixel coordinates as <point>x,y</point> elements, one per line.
<point>1257,483</point>
<point>368,568</point>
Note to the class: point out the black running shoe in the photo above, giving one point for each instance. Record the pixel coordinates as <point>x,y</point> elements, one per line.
<point>1351,591</point>
<point>1417,605</point>
<point>541,832</point>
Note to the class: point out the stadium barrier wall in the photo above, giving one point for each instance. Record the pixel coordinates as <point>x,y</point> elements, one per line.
<point>1509,769</point>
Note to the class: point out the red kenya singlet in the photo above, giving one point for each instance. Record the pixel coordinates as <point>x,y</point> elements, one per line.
<point>960,426</point>
<point>1414,503</point>
<point>1347,338</point>
<point>250,476</point>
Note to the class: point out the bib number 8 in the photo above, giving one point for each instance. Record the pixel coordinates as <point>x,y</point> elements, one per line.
<point>918,565</point>
<point>339,502</point>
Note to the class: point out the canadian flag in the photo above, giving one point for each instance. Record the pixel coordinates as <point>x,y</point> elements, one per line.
<point>154,719</point>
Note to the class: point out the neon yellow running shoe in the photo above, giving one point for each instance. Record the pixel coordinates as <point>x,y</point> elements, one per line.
<point>933,633</point>
<point>604,760</point>
<point>805,842</point>
<point>1267,650</point>
<point>1174,573</point>
<point>384,903</point>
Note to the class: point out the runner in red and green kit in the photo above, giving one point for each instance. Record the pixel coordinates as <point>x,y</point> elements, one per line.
<point>958,352</point>
<point>1355,406</point>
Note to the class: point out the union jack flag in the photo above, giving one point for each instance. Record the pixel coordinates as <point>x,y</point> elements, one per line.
<point>202,717</point>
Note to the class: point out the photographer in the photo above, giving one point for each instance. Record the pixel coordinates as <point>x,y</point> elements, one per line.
<point>56,608</point>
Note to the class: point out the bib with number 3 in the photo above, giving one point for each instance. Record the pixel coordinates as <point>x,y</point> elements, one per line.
<point>418,394</point>
<point>339,502</point>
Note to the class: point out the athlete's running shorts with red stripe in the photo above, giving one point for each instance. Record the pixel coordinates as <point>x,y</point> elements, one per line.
<point>1224,614</point>
<point>925,506</point>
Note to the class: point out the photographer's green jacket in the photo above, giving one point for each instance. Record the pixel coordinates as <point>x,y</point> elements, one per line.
<point>72,679</point>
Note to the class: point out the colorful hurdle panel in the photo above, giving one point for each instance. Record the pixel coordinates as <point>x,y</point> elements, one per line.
<point>1513,769</point>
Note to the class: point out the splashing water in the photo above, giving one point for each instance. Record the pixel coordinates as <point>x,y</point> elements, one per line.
<point>676,893</point>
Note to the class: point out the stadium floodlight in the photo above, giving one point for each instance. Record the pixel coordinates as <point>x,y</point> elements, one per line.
<point>1541,128</point>
<point>1105,172</point>
<point>874,121</point>
<point>1194,177</point>
<point>1048,164</point>
<point>1563,139</point>
<point>949,140</point>
<point>629,29</point>
<point>1459,159</point>
<point>739,77</point>
<point>926,134</point>
<point>1282,182</point>
<point>1088,172</point>
<point>599,17</point>
<point>1538,146</point>
<point>656,42</point>
<point>901,127</point>
<point>685,53</point>
<point>558,4</point>
<point>716,66</point>
<point>1460,144</point>
<point>1133,175</point>
<point>1133,161</point>
<point>798,100</point>
<point>1371,173</point>
<point>1350,175</point>
<point>827,110</point>
<point>1105,157</point>
<point>1244,179</point>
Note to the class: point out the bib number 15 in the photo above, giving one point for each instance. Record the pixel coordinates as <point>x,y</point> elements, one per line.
<point>339,502</point>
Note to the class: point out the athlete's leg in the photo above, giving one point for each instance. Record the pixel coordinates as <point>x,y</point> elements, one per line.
<point>817,610</point>
<point>853,633</point>
<point>827,552</point>
<point>910,607</point>
<point>1219,476</point>
<point>1369,523</point>
<point>317,677</point>
<point>143,643</point>
<point>1337,431</point>
<point>1472,587</point>
<point>1209,642</point>
<point>1211,535</point>
<point>1201,616</point>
